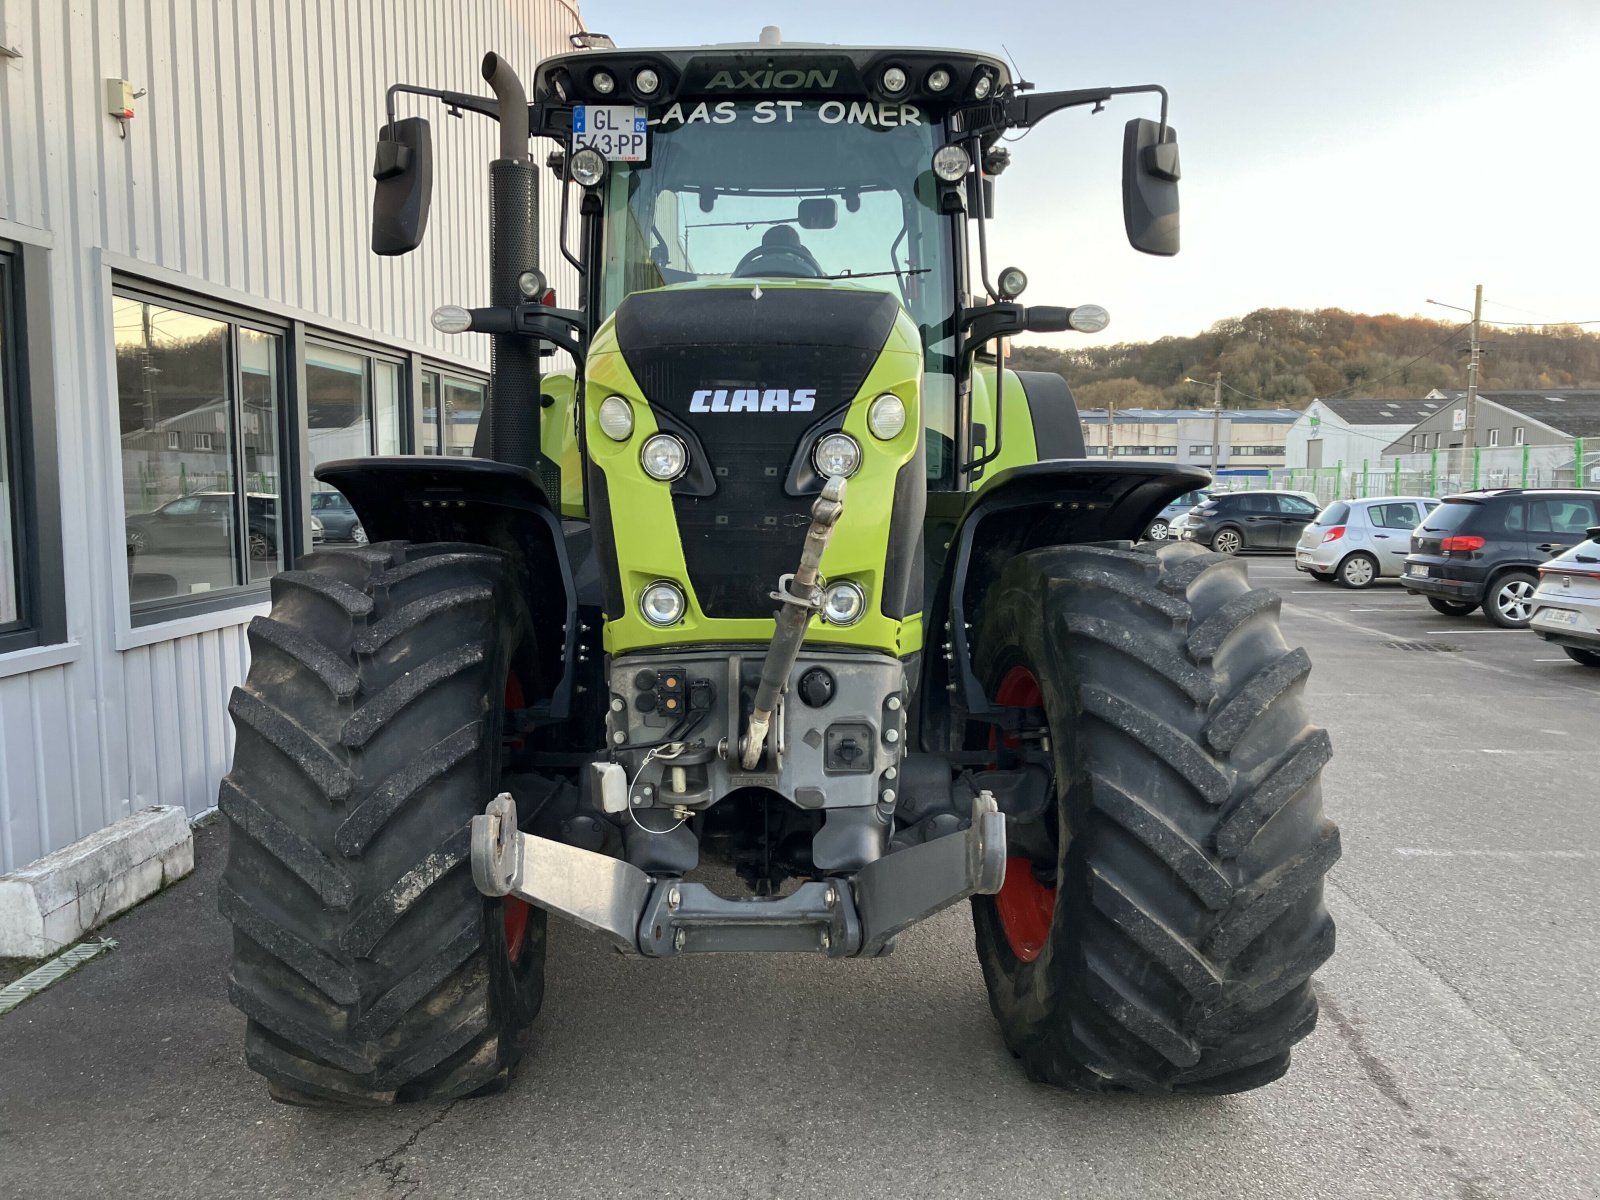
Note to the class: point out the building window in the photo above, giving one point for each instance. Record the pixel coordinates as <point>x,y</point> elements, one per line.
<point>200,401</point>
<point>32,591</point>
<point>1096,451</point>
<point>1199,449</point>
<point>1146,451</point>
<point>1494,437</point>
<point>1413,443</point>
<point>1517,436</point>
<point>1256,451</point>
<point>10,492</point>
<point>452,406</point>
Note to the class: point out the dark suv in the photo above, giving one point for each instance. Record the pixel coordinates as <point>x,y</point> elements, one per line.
<point>1233,521</point>
<point>1485,548</point>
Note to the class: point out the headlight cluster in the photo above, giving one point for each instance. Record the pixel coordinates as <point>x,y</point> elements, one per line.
<point>664,457</point>
<point>843,603</point>
<point>662,603</point>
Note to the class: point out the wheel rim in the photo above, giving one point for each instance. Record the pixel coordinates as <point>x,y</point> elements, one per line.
<point>1026,907</point>
<point>1358,571</point>
<point>358,535</point>
<point>1515,600</point>
<point>1226,542</point>
<point>1158,531</point>
<point>260,547</point>
<point>515,911</point>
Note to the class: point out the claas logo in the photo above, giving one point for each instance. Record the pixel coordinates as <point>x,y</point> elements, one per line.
<point>749,400</point>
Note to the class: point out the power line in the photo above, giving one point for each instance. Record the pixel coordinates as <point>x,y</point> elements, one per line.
<point>1538,324</point>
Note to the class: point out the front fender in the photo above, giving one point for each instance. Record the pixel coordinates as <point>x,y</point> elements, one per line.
<point>1054,503</point>
<point>486,503</point>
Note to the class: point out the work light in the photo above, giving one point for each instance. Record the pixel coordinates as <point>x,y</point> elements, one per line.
<point>603,82</point>
<point>588,168</point>
<point>938,79</point>
<point>647,81</point>
<point>894,80</point>
<point>951,163</point>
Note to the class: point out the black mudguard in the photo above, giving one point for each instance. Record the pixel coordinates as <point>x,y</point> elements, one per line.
<point>486,503</point>
<point>1060,502</point>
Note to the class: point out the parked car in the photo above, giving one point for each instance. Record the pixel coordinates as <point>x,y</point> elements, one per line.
<point>1161,528</point>
<point>1566,604</point>
<point>1357,542</point>
<point>339,520</point>
<point>1485,547</point>
<point>1229,522</point>
<point>199,523</point>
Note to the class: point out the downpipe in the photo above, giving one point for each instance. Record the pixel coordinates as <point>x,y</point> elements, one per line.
<point>797,598</point>
<point>509,432</point>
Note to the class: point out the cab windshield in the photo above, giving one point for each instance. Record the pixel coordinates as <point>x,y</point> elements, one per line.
<point>804,189</point>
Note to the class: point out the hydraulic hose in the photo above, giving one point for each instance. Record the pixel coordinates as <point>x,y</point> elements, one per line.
<point>798,602</point>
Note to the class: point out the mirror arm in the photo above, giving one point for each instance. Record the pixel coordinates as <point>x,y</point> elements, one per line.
<point>454,101</point>
<point>1027,110</point>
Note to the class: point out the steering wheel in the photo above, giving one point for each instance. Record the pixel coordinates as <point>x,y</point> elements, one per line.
<point>792,261</point>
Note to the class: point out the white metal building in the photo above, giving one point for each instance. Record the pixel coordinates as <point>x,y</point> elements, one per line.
<point>190,319</point>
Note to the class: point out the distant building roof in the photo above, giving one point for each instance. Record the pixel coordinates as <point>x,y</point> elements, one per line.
<point>1171,416</point>
<point>1354,411</point>
<point>1576,413</point>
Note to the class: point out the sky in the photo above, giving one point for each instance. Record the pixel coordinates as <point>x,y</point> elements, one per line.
<point>1359,154</point>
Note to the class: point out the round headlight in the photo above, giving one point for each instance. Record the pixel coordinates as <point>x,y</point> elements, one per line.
<point>662,603</point>
<point>451,318</point>
<point>894,80</point>
<point>843,603</point>
<point>951,163</point>
<point>887,416</point>
<point>1012,282</point>
<point>647,81</point>
<point>837,454</point>
<point>588,168</point>
<point>938,79</point>
<point>982,86</point>
<point>664,457</point>
<point>616,418</point>
<point>603,82</point>
<point>532,284</point>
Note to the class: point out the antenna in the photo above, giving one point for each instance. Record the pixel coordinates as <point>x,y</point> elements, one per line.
<point>1019,83</point>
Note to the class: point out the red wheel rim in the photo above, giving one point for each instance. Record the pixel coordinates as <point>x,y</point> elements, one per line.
<point>516,911</point>
<point>1026,906</point>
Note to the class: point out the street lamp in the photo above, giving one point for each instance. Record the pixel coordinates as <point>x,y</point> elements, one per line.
<point>1216,414</point>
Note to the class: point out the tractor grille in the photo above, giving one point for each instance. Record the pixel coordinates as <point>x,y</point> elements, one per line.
<point>737,541</point>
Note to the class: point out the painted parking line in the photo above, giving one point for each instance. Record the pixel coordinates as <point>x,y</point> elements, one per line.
<point>1508,855</point>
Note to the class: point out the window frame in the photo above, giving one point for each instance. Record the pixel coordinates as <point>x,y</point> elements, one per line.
<point>423,368</point>
<point>33,465</point>
<point>407,384</point>
<point>1494,437</point>
<point>240,595</point>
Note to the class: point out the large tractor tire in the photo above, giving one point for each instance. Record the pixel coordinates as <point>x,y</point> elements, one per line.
<point>1161,937</point>
<point>369,733</point>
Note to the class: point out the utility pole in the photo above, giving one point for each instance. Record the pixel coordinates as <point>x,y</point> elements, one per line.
<point>1470,433</point>
<point>1111,429</point>
<point>1216,422</point>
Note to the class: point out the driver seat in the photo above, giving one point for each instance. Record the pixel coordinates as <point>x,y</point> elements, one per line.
<point>780,253</point>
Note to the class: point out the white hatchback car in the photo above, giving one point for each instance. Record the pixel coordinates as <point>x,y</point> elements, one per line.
<point>1566,606</point>
<point>1357,542</point>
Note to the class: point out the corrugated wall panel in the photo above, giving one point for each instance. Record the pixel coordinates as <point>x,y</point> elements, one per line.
<point>246,167</point>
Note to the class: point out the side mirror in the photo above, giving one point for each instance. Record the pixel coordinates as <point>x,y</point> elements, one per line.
<point>818,213</point>
<point>1150,187</point>
<point>1592,533</point>
<point>403,169</point>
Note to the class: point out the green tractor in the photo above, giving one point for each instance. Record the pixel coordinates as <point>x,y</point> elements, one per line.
<point>785,618</point>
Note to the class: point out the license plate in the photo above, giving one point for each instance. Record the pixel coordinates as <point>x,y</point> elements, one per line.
<point>618,131</point>
<point>1417,571</point>
<point>1556,616</point>
<point>1303,556</point>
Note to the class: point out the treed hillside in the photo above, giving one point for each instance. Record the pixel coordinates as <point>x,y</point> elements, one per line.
<point>1283,357</point>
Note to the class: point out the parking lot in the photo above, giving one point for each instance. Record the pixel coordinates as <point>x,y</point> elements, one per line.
<point>1455,1058</point>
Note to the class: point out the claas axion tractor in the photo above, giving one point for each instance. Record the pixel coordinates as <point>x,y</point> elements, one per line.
<point>784,618</point>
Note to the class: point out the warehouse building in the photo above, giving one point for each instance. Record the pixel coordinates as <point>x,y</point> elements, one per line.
<point>190,321</point>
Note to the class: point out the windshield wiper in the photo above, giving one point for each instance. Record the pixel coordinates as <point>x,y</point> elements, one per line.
<point>876,274</point>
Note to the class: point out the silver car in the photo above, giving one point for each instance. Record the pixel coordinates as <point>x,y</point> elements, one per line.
<point>1161,528</point>
<point>1566,604</point>
<point>1357,542</point>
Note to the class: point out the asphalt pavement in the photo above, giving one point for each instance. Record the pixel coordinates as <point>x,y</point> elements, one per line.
<point>1456,1058</point>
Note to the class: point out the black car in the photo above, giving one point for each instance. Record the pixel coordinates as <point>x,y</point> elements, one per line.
<point>339,520</point>
<point>1484,548</point>
<point>1233,521</point>
<point>201,522</point>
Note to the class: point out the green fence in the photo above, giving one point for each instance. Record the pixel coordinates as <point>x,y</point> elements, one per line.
<point>1440,472</point>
